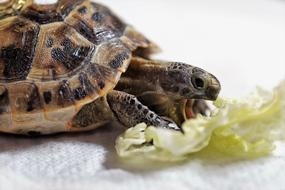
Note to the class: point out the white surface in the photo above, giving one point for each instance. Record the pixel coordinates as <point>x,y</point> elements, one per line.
<point>242,42</point>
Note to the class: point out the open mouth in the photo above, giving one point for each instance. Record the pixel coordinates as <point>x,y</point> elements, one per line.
<point>182,110</point>
<point>194,107</point>
<point>188,110</point>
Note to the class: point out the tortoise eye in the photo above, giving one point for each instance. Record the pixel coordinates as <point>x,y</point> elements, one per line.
<point>198,83</point>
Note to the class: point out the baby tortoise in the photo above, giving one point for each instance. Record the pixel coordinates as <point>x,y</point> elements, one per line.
<point>74,66</point>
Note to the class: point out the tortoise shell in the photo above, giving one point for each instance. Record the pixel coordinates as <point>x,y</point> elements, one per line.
<point>56,58</point>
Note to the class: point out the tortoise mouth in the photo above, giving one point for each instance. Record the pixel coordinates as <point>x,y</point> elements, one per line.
<point>188,110</point>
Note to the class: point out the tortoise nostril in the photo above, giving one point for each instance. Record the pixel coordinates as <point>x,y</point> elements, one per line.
<point>212,92</point>
<point>198,83</point>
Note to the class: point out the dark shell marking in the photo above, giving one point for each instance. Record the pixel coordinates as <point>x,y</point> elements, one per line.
<point>119,60</point>
<point>91,25</point>
<point>4,100</point>
<point>42,14</point>
<point>85,89</point>
<point>82,10</point>
<point>47,97</point>
<point>16,48</point>
<point>33,99</point>
<point>49,43</point>
<point>97,17</point>
<point>17,63</point>
<point>65,94</point>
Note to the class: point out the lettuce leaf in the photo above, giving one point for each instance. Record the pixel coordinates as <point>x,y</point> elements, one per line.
<point>244,128</point>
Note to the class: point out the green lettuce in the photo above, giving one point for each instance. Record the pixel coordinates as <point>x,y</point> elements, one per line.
<point>246,128</point>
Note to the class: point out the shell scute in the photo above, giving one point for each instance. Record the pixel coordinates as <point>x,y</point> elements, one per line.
<point>24,98</point>
<point>60,52</point>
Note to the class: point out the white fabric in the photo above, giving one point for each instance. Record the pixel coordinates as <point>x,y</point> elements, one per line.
<point>242,42</point>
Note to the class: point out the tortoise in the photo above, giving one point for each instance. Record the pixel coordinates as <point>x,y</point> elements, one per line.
<point>75,66</point>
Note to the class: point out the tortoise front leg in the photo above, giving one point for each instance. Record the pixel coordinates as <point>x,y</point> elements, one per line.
<point>130,111</point>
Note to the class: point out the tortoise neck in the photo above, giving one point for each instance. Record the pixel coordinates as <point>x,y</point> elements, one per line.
<point>146,70</point>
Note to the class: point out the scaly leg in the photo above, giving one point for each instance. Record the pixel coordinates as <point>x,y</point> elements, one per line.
<point>130,111</point>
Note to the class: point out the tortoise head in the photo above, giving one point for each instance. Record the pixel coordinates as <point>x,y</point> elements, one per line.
<point>189,82</point>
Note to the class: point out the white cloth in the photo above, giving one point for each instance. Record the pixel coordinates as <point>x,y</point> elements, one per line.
<point>240,41</point>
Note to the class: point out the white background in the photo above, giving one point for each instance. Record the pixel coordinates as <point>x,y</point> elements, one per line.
<point>242,42</point>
